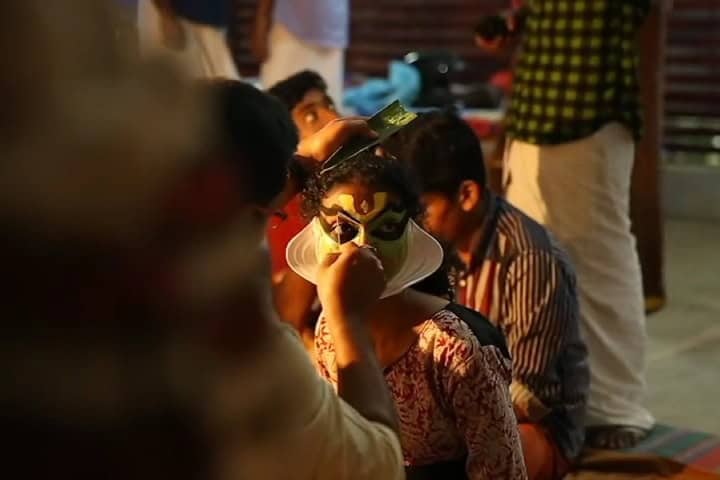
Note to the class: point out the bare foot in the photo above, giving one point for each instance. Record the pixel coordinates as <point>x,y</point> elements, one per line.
<point>614,437</point>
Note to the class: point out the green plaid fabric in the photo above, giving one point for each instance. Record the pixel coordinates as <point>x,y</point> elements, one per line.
<point>577,70</point>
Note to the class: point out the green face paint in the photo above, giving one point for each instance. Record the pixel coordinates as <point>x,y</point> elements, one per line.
<point>379,224</point>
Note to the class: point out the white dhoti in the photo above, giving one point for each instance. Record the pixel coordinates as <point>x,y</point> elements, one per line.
<point>206,53</point>
<point>580,191</point>
<point>288,54</point>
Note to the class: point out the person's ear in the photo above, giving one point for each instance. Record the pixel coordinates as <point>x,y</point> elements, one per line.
<point>469,195</point>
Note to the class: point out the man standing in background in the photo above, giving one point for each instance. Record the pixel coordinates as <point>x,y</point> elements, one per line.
<point>193,30</point>
<point>294,35</point>
<point>574,121</point>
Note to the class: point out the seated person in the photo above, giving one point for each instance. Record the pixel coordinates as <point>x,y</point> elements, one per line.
<point>513,273</point>
<point>306,98</point>
<point>446,366</point>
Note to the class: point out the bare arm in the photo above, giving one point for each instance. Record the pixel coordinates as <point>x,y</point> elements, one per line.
<point>348,284</point>
<point>294,299</point>
<point>314,150</point>
<point>360,380</point>
<point>299,427</point>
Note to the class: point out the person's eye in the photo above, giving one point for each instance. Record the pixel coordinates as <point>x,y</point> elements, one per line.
<point>310,117</point>
<point>388,231</point>
<point>343,232</point>
<point>388,227</point>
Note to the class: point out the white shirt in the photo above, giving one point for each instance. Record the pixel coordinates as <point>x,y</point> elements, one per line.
<point>279,419</point>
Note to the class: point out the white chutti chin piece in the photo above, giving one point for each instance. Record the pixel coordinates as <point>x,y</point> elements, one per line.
<point>424,257</point>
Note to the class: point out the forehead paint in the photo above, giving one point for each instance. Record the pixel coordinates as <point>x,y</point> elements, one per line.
<point>363,210</point>
<point>391,251</point>
<point>368,215</point>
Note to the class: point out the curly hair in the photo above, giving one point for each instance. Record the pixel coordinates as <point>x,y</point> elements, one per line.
<point>389,174</point>
<point>368,169</point>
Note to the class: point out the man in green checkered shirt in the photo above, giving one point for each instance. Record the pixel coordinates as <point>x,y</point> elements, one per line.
<point>577,70</point>
<point>573,122</point>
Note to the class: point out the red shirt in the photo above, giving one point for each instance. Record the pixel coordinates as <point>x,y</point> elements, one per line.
<point>281,231</point>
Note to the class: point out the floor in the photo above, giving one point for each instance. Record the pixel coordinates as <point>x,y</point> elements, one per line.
<point>684,350</point>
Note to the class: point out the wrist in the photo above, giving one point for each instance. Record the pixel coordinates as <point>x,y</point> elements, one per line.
<point>342,321</point>
<point>351,336</point>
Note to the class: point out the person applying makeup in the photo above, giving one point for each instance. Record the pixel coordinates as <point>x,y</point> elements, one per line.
<point>447,367</point>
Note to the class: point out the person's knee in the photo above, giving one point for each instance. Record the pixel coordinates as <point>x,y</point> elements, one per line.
<point>543,458</point>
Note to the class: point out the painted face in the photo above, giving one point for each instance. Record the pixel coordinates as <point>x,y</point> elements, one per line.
<point>358,214</point>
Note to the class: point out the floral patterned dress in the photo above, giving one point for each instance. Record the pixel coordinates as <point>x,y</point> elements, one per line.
<point>452,397</point>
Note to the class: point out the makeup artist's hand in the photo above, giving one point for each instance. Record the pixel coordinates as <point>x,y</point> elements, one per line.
<point>349,282</point>
<point>314,150</point>
<point>321,145</point>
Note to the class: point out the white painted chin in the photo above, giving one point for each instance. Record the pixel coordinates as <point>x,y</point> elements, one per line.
<point>424,257</point>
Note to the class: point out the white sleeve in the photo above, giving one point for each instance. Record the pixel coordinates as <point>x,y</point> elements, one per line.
<point>278,419</point>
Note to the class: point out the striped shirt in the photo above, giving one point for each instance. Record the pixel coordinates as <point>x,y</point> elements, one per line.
<point>520,279</point>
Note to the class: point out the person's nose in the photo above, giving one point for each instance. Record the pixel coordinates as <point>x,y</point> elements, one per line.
<point>362,238</point>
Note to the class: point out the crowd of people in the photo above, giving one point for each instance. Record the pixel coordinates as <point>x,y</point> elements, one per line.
<point>193,296</point>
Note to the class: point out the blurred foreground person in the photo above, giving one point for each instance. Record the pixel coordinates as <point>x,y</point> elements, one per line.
<point>140,340</point>
<point>306,97</point>
<point>322,436</point>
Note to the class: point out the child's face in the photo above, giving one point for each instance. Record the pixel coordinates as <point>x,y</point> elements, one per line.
<point>314,112</point>
<point>365,216</point>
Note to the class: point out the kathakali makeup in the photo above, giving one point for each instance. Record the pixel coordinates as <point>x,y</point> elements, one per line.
<point>358,214</point>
